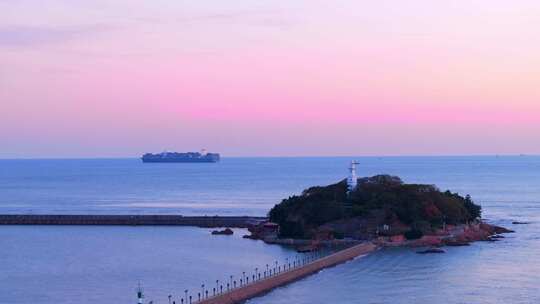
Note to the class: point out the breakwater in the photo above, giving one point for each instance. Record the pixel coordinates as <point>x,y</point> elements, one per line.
<point>130,220</point>
<point>280,276</point>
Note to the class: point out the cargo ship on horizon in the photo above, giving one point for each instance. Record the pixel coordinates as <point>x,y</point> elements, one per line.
<point>175,157</point>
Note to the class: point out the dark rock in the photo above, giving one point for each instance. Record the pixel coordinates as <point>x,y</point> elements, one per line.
<point>431,250</point>
<point>520,223</point>
<point>226,231</point>
<point>501,230</point>
<point>498,236</point>
<point>492,229</point>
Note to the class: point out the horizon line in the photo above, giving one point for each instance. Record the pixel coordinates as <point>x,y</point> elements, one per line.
<point>291,156</point>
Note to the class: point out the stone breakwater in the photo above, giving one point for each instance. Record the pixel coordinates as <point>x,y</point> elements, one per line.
<point>131,220</point>
<point>257,288</point>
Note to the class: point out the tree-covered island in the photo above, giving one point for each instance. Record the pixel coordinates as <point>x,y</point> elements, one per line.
<point>384,208</point>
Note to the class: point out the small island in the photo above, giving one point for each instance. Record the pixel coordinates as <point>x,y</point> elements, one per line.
<point>381,209</point>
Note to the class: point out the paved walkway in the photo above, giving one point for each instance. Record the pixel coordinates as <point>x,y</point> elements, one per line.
<point>244,293</point>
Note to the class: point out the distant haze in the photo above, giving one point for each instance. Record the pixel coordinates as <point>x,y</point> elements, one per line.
<point>419,77</point>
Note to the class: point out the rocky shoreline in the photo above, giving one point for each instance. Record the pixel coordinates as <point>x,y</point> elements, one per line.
<point>459,235</point>
<point>452,235</point>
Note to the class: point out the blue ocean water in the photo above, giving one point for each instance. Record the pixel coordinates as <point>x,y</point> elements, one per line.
<point>103,264</point>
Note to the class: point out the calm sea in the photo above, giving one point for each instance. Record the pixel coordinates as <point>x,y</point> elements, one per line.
<point>104,264</point>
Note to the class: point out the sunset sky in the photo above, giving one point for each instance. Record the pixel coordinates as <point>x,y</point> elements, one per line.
<point>269,78</point>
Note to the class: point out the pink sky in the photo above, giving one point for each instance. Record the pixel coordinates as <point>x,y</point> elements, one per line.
<point>417,77</point>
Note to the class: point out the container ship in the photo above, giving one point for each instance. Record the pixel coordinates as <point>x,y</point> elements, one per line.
<point>175,157</point>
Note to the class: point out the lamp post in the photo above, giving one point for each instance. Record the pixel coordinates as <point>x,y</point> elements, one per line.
<point>140,295</point>
<point>185,292</point>
<point>243,276</point>
<point>169,298</point>
<point>202,288</point>
<point>217,284</point>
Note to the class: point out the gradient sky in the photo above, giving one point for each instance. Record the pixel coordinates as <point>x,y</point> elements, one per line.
<point>243,77</point>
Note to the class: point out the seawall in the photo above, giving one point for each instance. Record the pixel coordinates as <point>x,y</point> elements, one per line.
<point>130,220</point>
<point>257,288</point>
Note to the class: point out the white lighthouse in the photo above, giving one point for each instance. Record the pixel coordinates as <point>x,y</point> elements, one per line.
<point>352,180</point>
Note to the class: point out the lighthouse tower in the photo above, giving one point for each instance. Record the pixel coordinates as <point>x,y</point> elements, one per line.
<point>352,180</point>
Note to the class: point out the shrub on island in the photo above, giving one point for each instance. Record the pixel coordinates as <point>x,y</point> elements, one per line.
<point>413,234</point>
